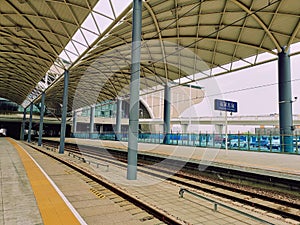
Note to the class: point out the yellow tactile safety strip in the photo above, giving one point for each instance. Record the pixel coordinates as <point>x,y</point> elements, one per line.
<point>97,193</point>
<point>52,207</point>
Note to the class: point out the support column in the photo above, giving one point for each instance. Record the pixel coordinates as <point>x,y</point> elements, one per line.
<point>64,113</point>
<point>74,122</point>
<point>30,123</point>
<point>184,128</point>
<point>42,111</point>
<point>167,114</point>
<point>92,121</point>
<point>134,90</point>
<point>118,119</point>
<point>23,125</point>
<point>219,128</point>
<point>285,102</point>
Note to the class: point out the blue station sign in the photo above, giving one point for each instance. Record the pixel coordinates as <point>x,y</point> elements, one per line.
<point>224,105</point>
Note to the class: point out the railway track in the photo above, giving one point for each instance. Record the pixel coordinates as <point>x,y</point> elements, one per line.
<point>263,200</point>
<point>100,191</point>
<point>101,187</point>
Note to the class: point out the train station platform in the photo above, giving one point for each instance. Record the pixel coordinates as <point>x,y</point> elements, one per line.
<point>28,195</point>
<point>37,190</point>
<point>265,163</point>
<point>20,202</point>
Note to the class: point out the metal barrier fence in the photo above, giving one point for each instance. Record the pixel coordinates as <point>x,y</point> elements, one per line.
<point>245,142</point>
<point>216,204</point>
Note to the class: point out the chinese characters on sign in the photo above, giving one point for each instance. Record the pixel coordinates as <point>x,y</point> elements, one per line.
<point>224,105</point>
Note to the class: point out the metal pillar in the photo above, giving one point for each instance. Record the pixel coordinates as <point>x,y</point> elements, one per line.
<point>42,111</point>
<point>285,101</point>
<point>64,113</point>
<point>30,123</point>
<point>219,128</point>
<point>92,120</point>
<point>184,128</point>
<point>118,119</point>
<point>74,122</point>
<point>134,91</point>
<point>167,114</point>
<point>226,132</point>
<point>23,125</point>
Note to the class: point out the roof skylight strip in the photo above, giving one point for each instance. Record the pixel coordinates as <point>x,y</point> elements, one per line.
<point>71,52</point>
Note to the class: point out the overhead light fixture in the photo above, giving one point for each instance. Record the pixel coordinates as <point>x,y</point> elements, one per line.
<point>176,9</point>
<point>22,1</point>
<point>173,11</point>
<point>18,28</point>
<point>220,27</point>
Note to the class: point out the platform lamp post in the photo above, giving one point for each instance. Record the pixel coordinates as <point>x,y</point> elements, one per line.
<point>23,125</point>
<point>74,122</point>
<point>134,90</point>
<point>92,121</point>
<point>64,113</point>
<point>226,106</point>
<point>118,129</point>
<point>167,113</point>
<point>30,123</point>
<point>42,111</point>
<point>226,132</point>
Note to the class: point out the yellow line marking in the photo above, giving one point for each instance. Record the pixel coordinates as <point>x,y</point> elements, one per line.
<point>52,207</point>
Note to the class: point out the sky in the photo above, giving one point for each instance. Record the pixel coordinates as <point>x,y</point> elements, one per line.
<point>255,89</point>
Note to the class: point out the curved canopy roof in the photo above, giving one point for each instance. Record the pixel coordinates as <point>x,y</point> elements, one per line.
<point>179,38</point>
<point>32,35</point>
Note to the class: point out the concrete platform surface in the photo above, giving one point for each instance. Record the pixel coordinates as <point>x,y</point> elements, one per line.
<point>97,205</point>
<point>274,164</point>
<point>17,204</point>
<point>20,203</point>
